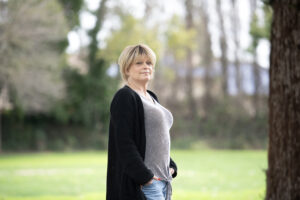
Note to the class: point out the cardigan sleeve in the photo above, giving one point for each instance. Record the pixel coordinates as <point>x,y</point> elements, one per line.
<point>123,116</point>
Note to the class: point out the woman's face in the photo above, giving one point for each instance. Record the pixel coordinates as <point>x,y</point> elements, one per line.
<point>141,70</point>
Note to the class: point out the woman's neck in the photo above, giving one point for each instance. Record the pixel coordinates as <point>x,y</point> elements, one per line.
<point>140,87</point>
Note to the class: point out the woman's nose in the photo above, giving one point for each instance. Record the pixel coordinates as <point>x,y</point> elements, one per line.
<point>145,66</point>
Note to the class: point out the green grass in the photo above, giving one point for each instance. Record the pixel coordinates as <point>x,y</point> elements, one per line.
<point>202,175</point>
<point>220,175</point>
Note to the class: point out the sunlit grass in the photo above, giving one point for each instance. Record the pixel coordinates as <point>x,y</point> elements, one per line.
<point>220,175</point>
<point>203,175</point>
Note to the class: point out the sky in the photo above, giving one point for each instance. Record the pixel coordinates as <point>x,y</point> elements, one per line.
<point>170,7</point>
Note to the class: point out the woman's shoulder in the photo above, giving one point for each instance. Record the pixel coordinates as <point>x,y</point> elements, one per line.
<point>127,94</point>
<point>124,93</point>
<point>123,102</point>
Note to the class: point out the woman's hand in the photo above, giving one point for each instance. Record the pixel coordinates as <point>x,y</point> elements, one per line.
<point>171,170</point>
<point>155,178</point>
<point>151,181</point>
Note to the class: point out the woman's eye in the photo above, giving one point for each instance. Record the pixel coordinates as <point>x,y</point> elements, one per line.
<point>138,63</point>
<point>149,63</point>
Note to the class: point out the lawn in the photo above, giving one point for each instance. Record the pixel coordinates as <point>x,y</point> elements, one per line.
<point>202,175</point>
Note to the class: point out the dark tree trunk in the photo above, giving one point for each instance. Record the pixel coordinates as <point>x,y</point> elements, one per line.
<point>283,174</point>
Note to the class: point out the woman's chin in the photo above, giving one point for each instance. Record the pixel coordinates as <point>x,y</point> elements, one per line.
<point>146,79</point>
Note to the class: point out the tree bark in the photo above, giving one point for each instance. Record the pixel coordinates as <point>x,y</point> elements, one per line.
<point>283,174</point>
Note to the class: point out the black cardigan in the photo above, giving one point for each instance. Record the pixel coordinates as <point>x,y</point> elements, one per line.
<point>126,170</point>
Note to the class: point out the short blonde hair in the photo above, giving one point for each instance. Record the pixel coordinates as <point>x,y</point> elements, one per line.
<point>130,54</point>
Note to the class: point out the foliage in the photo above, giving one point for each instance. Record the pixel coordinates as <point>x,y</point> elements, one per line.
<point>179,38</point>
<point>28,50</point>
<point>42,132</point>
<point>260,28</point>
<point>235,129</point>
<point>71,11</point>
<point>55,107</point>
<point>132,31</point>
<point>228,126</point>
<point>59,108</point>
<point>88,96</point>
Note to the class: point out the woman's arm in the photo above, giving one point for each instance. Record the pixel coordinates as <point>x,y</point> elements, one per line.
<point>123,119</point>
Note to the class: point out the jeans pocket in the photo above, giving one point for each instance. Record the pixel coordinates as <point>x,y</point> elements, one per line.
<point>148,185</point>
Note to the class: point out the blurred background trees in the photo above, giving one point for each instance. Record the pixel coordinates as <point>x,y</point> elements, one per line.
<point>53,97</point>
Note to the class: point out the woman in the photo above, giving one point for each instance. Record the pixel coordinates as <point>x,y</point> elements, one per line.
<point>139,163</point>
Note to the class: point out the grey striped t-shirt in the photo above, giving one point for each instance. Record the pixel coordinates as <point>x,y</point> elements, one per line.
<point>158,121</point>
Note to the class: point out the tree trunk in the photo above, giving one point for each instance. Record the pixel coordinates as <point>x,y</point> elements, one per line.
<point>3,101</point>
<point>235,32</point>
<point>150,6</point>
<point>257,82</point>
<point>223,45</point>
<point>255,66</point>
<point>93,47</point>
<point>207,58</point>
<point>253,5</point>
<point>189,63</point>
<point>175,88</point>
<point>283,174</point>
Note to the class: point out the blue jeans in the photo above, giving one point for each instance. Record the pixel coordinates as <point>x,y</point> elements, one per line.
<point>157,190</point>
